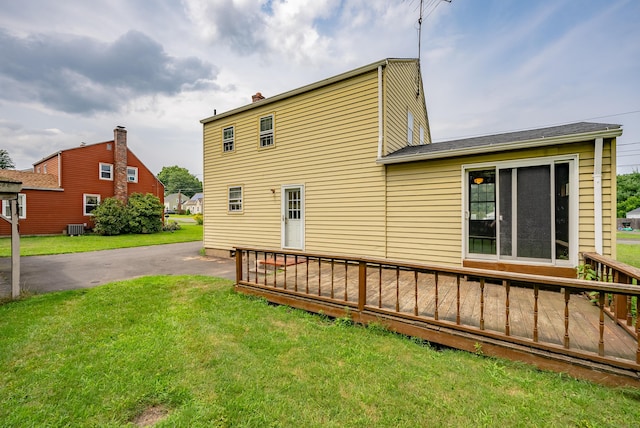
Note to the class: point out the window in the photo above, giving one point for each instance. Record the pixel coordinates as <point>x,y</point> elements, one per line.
<point>421,135</point>
<point>227,139</point>
<point>22,207</point>
<point>235,199</point>
<point>132,174</point>
<point>409,128</point>
<point>90,203</point>
<point>106,171</point>
<point>266,131</point>
<point>522,211</point>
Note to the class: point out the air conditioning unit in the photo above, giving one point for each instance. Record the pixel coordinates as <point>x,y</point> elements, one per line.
<point>131,178</point>
<point>75,229</point>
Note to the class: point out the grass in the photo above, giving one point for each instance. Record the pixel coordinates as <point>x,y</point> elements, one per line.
<point>194,352</point>
<point>59,244</point>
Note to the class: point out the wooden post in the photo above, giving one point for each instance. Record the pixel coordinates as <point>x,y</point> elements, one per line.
<point>15,250</point>
<point>239,266</point>
<point>362,286</point>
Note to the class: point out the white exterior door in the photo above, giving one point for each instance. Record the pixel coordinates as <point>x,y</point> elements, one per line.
<point>293,217</point>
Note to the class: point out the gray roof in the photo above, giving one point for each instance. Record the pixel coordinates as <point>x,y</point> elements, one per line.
<point>636,211</point>
<point>507,141</point>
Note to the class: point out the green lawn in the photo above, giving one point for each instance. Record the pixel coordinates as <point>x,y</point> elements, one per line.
<point>194,353</point>
<point>43,245</point>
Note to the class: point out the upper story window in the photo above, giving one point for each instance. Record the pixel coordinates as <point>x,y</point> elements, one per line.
<point>421,135</point>
<point>266,131</point>
<point>132,174</point>
<point>106,171</point>
<point>22,207</point>
<point>227,139</point>
<point>90,202</point>
<point>409,128</point>
<point>235,199</point>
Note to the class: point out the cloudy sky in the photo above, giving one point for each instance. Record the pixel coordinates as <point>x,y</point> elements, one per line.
<point>70,71</point>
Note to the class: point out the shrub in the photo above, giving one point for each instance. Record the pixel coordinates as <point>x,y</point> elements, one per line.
<point>145,213</point>
<point>141,214</point>
<point>198,218</point>
<point>171,226</point>
<point>111,217</point>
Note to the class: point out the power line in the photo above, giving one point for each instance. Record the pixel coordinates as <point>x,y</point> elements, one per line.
<point>539,126</point>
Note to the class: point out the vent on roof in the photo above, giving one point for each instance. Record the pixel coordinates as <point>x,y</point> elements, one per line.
<point>75,229</point>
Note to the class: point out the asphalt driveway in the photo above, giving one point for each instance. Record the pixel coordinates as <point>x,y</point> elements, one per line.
<point>41,274</point>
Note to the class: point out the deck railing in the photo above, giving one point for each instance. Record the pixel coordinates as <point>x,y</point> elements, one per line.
<point>527,312</point>
<point>618,306</point>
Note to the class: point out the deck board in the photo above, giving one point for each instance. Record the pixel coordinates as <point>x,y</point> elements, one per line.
<point>398,288</point>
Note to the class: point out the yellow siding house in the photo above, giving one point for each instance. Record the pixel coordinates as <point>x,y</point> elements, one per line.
<point>346,166</point>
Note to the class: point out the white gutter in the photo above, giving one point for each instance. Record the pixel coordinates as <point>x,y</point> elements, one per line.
<point>597,193</point>
<point>379,111</point>
<point>490,148</point>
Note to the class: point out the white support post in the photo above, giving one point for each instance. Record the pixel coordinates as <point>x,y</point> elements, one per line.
<point>15,250</point>
<point>597,194</point>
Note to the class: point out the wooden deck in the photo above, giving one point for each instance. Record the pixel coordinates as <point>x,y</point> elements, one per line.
<point>517,313</point>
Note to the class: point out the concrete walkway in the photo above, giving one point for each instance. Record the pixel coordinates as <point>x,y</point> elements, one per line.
<point>42,274</point>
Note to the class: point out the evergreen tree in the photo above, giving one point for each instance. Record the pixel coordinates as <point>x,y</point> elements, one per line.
<point>5,160</point>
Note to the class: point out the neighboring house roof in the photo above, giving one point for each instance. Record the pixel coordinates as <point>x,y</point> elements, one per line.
<point>82,145</point>
<point>173,197</point>
<point>634,212</point>
<point>197,196</point>
<point>31,180</point>
<point>554,135</point>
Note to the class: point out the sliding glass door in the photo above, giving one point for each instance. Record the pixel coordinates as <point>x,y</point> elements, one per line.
<point>519,211</point>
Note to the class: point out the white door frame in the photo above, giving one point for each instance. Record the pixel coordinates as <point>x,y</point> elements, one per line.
<point>283,216</point>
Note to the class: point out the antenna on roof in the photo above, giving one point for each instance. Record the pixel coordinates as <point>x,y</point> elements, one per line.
<point>422,10</point>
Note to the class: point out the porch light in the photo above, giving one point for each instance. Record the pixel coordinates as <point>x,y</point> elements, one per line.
<point>478,180</point>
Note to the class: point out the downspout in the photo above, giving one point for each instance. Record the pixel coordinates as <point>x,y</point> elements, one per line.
<point>597,193</point>
<point>379,111</point>
<point>59,169</point>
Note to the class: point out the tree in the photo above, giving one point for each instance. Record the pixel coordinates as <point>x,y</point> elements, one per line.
<point>5,160</point>
<point>628,193</point>
<point>177,179</point>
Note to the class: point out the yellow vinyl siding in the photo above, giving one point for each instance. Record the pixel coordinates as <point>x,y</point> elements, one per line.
<point>326,140</point>
<point>424,204</point>
<point>401,89</point>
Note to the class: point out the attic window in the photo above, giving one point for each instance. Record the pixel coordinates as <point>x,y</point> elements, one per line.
<point>409,128</point>
<point>227,139</point>
<point>266,131</point>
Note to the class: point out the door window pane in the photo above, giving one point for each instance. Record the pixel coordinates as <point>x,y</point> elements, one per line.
<point>482,212</point>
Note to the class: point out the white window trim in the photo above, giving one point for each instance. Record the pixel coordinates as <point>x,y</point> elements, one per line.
<point>409,128</point>
<point>84,203</point>
<point>110,171</point>
<point>240,201</point>
<point>22,207</point>
<point>227,141</point>
<point>135,175</point>
<point>283,209</point>
<point>574,206</point>
<point>270,132</point>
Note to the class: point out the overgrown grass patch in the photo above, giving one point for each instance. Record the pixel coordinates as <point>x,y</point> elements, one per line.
<point>59,244</point>
<point>206,356</point>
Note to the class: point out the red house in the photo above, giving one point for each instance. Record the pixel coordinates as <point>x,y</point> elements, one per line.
<point>63,188</point>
